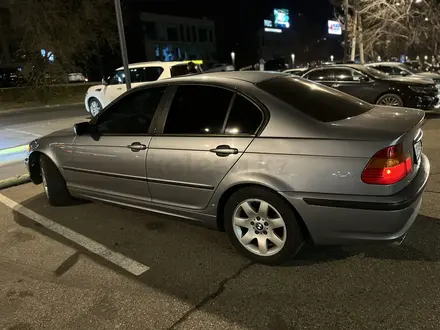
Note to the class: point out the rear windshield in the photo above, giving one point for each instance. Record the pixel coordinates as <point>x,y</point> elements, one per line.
<point>318,101</point>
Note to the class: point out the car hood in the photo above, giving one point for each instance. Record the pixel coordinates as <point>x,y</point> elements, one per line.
<point>411,80</point>
<point>431,75</point>
<point>62,134</point>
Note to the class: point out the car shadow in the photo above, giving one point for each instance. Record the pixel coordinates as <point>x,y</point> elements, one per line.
<point>199,265</point>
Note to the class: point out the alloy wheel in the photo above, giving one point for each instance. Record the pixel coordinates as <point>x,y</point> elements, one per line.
<point>95,107</point>
<point>259,227</point>
<point>390,101</point>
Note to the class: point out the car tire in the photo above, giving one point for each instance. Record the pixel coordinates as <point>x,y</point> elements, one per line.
<point>54,184</point>
<point>280,225</point>
<point>390,100</point>
<point>95,106</point>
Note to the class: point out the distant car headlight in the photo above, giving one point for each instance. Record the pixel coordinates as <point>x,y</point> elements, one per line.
<point>422,89</point>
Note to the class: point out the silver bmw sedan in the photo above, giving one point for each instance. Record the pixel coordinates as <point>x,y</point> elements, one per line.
<point>272,159</point>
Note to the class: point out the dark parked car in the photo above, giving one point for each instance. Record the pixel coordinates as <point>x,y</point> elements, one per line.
<point>376,87</point>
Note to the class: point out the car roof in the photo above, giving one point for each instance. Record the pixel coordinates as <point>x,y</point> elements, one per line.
<point>335,66</point>
<point>385,63</point>
<point>252,77</point>
<point>153,64</point>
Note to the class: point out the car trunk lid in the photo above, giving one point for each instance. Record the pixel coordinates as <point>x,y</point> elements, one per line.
<point>391,126</point>
<point>396,121</point>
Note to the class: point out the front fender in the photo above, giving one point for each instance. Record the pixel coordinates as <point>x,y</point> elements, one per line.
<point>58,148</point>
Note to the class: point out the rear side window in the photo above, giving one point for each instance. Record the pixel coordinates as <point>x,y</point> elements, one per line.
<point>244,118</point>
<point>139,75</point>
<point>318,101</point>
<point>182,69</point>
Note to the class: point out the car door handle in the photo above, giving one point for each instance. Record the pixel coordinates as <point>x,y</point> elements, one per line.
<point>119,88</point>
<point>137,146</point>
<point>224,150</point>
<point>335,85</point>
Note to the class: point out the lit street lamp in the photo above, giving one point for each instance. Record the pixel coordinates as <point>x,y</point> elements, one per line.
<point>293,60</point>
<point>233,58</point>
<point>332,58</point>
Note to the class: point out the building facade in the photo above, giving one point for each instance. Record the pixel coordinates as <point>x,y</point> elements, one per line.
<point>172,38</point>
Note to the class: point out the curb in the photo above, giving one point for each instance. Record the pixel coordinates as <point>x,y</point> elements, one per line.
<point>14,181</point>
<point>14,149</point>
<point>40,107</point>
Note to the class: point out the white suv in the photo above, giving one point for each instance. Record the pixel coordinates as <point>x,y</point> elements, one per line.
<point>99,96</point>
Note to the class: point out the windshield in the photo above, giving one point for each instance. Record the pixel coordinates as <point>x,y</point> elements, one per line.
<point>374,72</point>
<point>406,67</point>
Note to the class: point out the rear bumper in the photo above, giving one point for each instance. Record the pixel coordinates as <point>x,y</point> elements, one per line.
<point>339,219</point>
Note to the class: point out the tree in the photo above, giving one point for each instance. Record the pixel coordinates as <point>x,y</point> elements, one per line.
<point>394,27</point>
<point>57,34</point>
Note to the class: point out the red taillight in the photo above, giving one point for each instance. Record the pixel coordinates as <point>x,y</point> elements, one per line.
<point>388,166</point>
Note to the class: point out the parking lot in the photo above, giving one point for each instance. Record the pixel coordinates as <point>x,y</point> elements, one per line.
<point>95,266</point>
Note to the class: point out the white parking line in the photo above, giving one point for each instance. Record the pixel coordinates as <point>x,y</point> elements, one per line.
<point>116,258</point>
<point>22,132</point>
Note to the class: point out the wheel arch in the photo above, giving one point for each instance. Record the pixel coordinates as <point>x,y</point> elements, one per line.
<point>34,165</point>
<point>231,190</point>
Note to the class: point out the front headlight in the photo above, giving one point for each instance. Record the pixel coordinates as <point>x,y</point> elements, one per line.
<point>422,89</point>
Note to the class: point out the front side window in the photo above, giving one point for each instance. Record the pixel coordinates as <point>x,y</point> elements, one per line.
<point>320,75</point>
<point>198,110</point>
<point>343,75</point>
<point>244,118</point>
<point>385,69</point>
<point>117,78</point>
<point>132,114</point>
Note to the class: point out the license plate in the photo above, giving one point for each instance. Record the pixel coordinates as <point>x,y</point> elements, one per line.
<point>417,150</point>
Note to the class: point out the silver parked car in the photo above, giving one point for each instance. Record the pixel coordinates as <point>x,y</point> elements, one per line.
<point>273,159</point>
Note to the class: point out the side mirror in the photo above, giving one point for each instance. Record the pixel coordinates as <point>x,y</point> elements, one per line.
<point>364,79</point>
<point>104,81</point>
<point>403,73</point>
<point>82,128</point>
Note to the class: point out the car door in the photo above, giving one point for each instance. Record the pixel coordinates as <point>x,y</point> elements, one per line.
<point>111,164</point>
<point>198,143</point>
<point>323,76</point>
<point>114,88</point>
<point>355,83</point>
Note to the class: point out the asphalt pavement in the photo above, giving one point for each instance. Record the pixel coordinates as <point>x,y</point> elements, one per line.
<point>19,127</point>
<point>96,266</point>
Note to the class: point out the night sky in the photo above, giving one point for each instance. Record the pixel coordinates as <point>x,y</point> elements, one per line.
<point>237,21</point>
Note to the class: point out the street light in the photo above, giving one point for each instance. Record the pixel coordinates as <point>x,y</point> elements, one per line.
<point>332,58</point>
<point>233,58</point>
<point>293,60</point>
